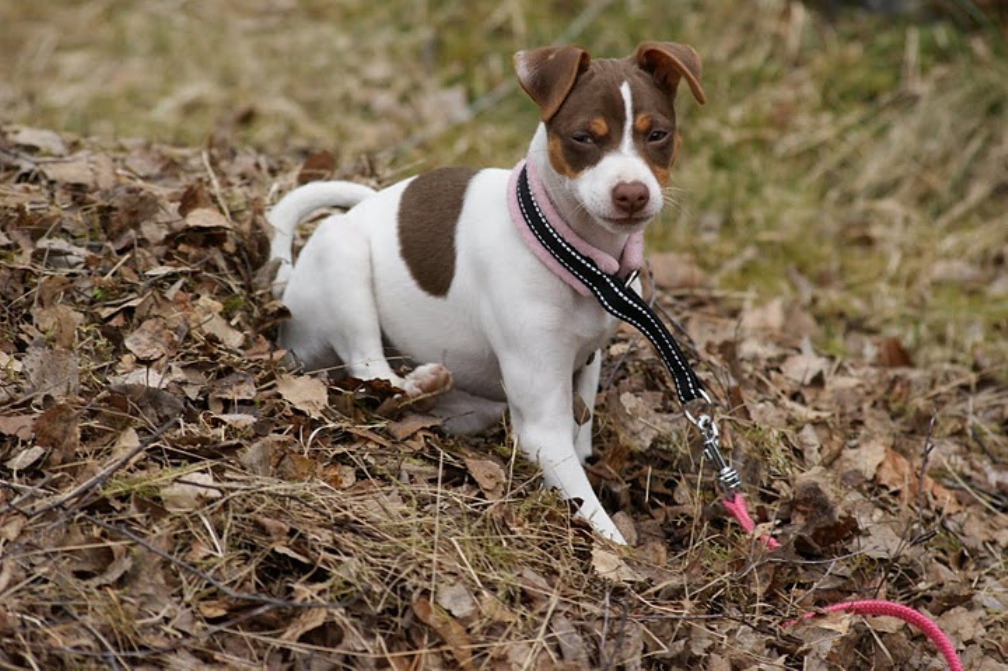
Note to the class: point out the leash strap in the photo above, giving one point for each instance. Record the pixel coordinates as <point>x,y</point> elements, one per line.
<point>619,300</point>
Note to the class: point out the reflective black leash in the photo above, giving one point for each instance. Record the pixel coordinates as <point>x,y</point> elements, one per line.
<point>619,300</point>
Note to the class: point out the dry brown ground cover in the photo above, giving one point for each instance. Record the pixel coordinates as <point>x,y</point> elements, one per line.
<point>173,496</point>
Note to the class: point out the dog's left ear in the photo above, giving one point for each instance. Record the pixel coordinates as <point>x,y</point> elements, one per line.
<point>548,75</point>
<point>669,62</point>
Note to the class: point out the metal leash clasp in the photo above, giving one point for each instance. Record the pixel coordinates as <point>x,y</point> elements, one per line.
<point>727,477</point>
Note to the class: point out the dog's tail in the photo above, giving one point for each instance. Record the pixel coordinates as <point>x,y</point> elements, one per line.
<point>298,204</point>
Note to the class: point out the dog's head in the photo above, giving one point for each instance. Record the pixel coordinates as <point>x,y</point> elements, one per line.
<point>610,125</point>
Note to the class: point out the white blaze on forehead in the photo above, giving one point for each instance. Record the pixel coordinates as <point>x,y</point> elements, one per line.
<point>626,144</point>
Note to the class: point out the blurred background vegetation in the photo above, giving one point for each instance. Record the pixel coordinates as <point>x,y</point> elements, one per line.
<point>852,157</point>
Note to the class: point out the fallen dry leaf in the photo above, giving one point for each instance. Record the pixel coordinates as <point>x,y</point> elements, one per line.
<point>403,428</point>
<point>190,492</point>
<point>88,169</point>
<point>307,394</point>
<point>318,165</point>
<point>806,367</point>
<point>489,475</point>
<point>152,340</point>
<point>450,630</point>
<point>19,426</point>
<point>60,322</point>
<point>672,270</point>
<point>57,429</point>
<point>52,371</point>
<point>206,218</point>
<point>40,139</point>
<point>25,458</point>
<point>896,473</point>
<point>457,600</point>
<point>572,645</point>
<point>610,566</point>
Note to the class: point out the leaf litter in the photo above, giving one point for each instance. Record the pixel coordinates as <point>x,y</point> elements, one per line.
<point>174,495</point>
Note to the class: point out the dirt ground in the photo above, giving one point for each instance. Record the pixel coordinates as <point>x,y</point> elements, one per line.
<point>174,496</point>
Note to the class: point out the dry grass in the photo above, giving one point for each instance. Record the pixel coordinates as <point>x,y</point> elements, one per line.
<point>843,195</point>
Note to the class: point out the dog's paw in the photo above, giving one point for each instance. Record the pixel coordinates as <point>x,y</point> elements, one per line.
<point>430,378</point>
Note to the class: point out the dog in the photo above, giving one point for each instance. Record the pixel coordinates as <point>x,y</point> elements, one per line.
<point>438,269</point>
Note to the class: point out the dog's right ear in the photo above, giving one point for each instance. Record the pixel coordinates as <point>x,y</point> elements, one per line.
<point>548,75</point>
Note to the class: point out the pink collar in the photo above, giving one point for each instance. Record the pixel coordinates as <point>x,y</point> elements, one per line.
<point>629,260</point>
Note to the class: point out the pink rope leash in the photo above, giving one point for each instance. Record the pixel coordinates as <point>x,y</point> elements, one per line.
<point>736,505</point>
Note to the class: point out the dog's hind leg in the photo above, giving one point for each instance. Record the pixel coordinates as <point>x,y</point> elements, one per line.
<point>324,331</point>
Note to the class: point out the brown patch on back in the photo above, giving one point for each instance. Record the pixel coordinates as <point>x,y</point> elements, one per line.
<point>428,213</point>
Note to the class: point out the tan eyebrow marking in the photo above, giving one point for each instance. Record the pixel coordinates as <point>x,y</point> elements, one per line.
<point>642,123</point>
<point>598,127</point>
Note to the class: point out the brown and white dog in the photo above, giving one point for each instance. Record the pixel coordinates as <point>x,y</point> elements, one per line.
<point>440,268</point>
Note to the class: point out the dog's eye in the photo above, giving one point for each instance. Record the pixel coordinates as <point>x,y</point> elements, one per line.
<point>657,135</point>
<point>583,138</point>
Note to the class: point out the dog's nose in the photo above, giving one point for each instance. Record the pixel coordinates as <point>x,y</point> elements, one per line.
<point>630,197</point>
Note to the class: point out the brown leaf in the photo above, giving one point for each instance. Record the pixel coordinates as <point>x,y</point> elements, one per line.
<point>319,165</point>
<point>402,429</point>
<point>307,620</point>
<point>339,476</point>
<point>489,475</point>
<point>57,430</point>
<point>260,455</point>
<point>152,340</point>
<point>60,253</point>
<point>572,644</point>
<point>25,458</point>
<point>41,140</point>
<point>892,355</point>
<point>864,458</point>
<point>52,371</point>
<point>448,628</point>
<point>289,465</point>
<point>633,415</point>
<point>156,405</point>
<point>206,218</point>
<point>19,426</point>
<point>671,270</point>
<point>963,625</point>
<point>239,386</point>
<point>206,317</point>
<point>897,474</point>
<point>92,170</point>
<point>307,394</point>
<point>121,563</point>
<point>455,598</point>
<point>60,323</point>
<point>189,492</point>
<point>194,197</point>
<point>807,367</point>
<point>768,318</point>
<point>608,565</point>
<point>128,207</point>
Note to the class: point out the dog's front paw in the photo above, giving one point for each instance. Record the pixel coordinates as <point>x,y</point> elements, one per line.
<point>430,378</point>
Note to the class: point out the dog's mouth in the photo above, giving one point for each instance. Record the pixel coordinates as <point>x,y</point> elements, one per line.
<point>627,222</point>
